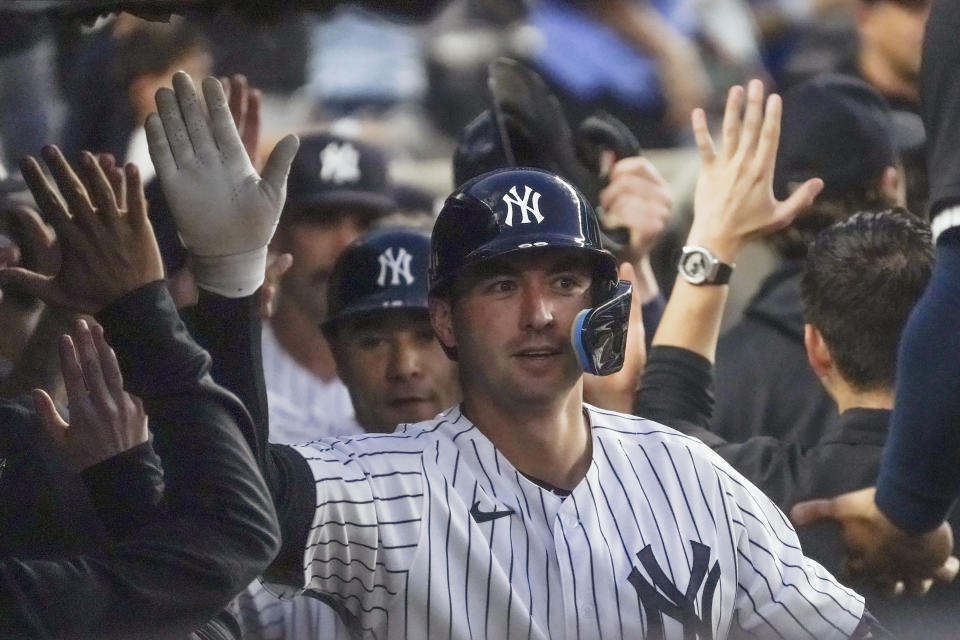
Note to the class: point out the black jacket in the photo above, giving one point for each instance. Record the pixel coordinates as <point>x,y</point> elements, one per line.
<point>184,558</point>
<point>764,384</point>
<point>676,391</point>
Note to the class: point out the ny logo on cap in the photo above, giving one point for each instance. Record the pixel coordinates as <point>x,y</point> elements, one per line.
<point>399,265</point>
<point>526,207</point>
<point>339,163</point>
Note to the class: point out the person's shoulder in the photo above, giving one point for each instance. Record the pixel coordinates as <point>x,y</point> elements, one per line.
<point>623,426</point>
<point>407,439</point>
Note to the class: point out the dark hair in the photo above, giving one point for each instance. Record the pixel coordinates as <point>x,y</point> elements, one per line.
<point>862,278</point>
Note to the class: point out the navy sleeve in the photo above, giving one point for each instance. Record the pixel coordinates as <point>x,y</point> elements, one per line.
<point>217,530</point>
<point>920,476</point>
<point>230,329</point>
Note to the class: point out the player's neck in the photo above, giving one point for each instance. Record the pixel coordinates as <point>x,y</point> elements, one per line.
<point>301,338</point>
<point>849,397</point>
<point>548,442</point>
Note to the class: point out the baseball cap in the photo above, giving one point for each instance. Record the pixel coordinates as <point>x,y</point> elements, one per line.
<point>384,270</point>
<point>331,172</point>
<point>834,127</point>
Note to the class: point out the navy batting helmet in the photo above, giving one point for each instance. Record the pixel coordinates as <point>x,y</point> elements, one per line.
<point>385,269</point>
<point>522,209</point>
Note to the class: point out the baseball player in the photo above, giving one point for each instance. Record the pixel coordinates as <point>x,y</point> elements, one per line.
<point>378,328</point>
<point>522,511</point>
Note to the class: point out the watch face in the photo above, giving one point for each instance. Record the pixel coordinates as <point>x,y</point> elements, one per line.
<point>694,267</point>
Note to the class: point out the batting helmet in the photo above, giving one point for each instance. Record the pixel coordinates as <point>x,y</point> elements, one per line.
<point>521,209</point>
<point>385,269</point>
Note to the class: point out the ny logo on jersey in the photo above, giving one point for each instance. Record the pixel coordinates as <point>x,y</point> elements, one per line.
<point>399,265</point>
<point>663,598</point>
<point>527,208</point>
<point>339,163</point>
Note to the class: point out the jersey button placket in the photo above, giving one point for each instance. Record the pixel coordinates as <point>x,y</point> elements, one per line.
<point>566,531</point>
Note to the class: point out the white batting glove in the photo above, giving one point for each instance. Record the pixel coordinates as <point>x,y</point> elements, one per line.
<point>225,212</point>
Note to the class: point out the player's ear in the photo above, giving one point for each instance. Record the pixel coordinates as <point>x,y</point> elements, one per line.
<point>441,318</point>
<point>893,186</point>
<point>817,351</point>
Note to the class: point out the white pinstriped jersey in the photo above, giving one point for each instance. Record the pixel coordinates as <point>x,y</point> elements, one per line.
<point>301,406</point>
<point>430,532</point>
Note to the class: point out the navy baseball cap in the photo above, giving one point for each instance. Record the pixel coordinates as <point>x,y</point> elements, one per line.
<point>834,127</point>
<point>384,270</point>
<point>332,172</point>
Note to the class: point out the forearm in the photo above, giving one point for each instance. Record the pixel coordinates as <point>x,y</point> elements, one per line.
<point>692,318</point>
<point>677,386</point>
<point>920,479</point>
<point>230,329</point>
<point>219,529</point>
<point>126,490</point>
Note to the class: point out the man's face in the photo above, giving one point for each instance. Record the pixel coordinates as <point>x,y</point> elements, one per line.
<point>510,323</point>
<point>894,30</point>
<point>315,247</point>
<point>395,369</point>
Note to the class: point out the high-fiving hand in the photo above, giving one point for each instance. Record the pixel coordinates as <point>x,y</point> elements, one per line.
<point>107,248</point>
<point>225,212</point>
<point>105,420</point>
<point>734,200</point>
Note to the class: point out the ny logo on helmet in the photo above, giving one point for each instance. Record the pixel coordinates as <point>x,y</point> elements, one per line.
<point>399,265</point>
<point>339,163</point>
<point>526,207</point>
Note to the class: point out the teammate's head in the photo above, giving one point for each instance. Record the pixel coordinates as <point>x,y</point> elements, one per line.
<point>840,129</point>
<point>378,327</point>
<point>862,278</point>
<point>148,53</point>
<point>891,39</point>
<point>336,188</point>
<point>516,261</point>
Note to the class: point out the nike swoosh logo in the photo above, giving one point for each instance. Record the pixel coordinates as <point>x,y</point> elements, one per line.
<point>484,516</point>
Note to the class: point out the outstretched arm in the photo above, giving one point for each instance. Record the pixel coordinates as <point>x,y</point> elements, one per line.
<point>227,237</point>
<point>901,536</point>
<point>733,204</point>
<point>219,528</point>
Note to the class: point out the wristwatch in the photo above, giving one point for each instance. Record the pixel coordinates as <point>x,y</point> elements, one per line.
<point>698,265</point>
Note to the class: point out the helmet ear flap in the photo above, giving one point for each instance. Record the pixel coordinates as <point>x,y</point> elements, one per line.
<point>599,335</point>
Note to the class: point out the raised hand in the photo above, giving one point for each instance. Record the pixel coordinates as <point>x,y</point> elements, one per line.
<point>105,420</point>
<point>639,199</point>
<point>225,212</point>
<point>734,201</point>
<point>107,248</point>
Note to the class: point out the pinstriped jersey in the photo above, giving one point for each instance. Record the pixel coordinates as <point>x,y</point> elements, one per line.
<point>430,532</point>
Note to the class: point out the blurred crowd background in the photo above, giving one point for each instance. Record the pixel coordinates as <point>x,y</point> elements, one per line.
<point>409,83</point>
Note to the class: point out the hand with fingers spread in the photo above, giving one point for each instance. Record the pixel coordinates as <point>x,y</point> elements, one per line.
<point>105,420</point>
<point>225,212</point>
<point>879,550</point>
<point>734,201</point>
<point>107,248</point>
